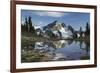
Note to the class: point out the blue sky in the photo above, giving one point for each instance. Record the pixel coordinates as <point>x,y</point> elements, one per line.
<point>42,18</point>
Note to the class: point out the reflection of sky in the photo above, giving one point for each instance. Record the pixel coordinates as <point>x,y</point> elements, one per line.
<point>42,18</point>
<point>73,51</point>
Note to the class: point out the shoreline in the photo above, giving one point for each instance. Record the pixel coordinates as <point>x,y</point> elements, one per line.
<point>27,40</point>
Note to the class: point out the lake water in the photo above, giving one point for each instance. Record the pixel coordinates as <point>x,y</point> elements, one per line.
<point>61,50</point>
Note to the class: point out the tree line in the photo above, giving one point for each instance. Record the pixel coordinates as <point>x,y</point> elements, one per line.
<point>27,26</point>
<point>87,30</point>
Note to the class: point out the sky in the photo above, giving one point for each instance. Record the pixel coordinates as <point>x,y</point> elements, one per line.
<point>42,18</point>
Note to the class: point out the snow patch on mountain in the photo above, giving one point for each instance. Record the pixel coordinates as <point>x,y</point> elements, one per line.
<point>56,29</point>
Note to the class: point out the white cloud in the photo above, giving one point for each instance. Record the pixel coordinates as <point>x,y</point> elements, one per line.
<point>51,14</point>
<point>40,23</point>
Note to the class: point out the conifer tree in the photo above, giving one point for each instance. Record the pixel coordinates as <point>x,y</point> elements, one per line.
<point>26,25</point>
<point>80,31</point>
<point>87,29</point>
<point>31,28</point>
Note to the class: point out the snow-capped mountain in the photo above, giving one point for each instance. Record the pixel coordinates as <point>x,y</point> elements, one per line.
<point>36,27</point>
<point>60,29</point>
<point>56,29</point>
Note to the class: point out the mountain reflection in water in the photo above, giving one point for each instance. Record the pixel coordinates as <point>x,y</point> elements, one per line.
<point>61,50</point>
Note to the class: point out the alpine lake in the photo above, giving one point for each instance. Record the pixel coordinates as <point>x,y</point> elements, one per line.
<point>45,50</point>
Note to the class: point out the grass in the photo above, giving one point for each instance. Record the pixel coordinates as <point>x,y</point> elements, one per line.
<point>31,56</point>
<point>85,57</point>
<point>35,38</point>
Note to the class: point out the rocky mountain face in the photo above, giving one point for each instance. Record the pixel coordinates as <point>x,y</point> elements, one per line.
<point>58,30</point>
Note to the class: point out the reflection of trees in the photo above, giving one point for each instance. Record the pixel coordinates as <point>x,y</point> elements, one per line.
<point>81,42</point>
<point>84,46</point>
<point>87,46</point>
